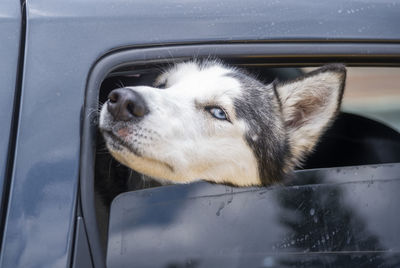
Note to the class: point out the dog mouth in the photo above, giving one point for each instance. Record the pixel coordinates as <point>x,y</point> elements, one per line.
<point>117,143</point>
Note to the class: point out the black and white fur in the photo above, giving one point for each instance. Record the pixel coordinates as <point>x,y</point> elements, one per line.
<point>209,121</point>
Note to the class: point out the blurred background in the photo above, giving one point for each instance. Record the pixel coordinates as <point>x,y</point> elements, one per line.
<point>374,93</point>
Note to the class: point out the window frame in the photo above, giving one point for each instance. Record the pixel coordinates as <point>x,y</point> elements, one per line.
<point>265,54</point>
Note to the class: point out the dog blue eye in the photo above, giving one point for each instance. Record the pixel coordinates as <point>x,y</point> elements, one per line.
<point>217,113</point>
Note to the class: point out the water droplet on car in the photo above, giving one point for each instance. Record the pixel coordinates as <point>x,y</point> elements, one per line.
<point>312,212</point>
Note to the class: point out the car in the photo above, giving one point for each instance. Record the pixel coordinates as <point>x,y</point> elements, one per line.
<point>60,58</point>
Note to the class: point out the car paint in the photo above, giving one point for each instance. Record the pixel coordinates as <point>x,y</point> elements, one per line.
<point>64,39</point>
<point>10,27</point>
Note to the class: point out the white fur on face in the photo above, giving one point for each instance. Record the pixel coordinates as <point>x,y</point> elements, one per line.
<point>179,140</point>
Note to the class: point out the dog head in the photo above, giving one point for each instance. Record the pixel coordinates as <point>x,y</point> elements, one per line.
<point>209,121</point>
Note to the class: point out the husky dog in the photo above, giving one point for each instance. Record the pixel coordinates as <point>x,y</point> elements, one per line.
<point>213,122</point>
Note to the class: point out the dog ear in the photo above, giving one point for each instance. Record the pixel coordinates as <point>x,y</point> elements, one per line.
<point>309,105</point>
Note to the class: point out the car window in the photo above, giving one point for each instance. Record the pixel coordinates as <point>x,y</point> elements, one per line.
<point>357,147</point>
<point>369,103</point>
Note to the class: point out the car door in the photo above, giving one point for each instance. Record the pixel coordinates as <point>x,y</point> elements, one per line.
<point>64,41</point>
<point>10,32</point>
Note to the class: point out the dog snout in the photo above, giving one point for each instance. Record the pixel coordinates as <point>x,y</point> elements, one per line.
<point>125,104</point>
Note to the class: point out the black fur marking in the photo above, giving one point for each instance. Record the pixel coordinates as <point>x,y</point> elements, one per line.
<point>260,108</point>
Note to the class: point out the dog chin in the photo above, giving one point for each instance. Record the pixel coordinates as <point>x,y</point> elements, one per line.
<point>157,169</point>
<point>117,143</point>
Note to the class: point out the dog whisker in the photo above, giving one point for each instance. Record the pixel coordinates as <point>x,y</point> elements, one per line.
<point>119,83</point>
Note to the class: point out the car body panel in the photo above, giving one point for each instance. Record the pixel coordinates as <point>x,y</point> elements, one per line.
<point>64,39</point>
<point>10,27</point>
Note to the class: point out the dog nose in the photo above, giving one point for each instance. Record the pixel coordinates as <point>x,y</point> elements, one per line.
<point>126,104</point>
